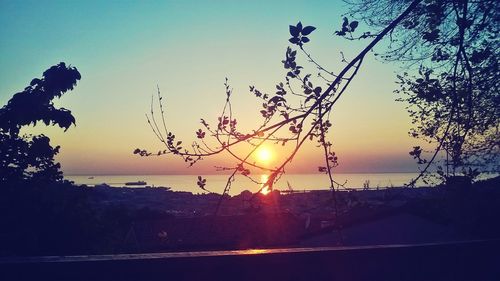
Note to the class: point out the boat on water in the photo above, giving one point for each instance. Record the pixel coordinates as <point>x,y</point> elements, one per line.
<point>136,183</point>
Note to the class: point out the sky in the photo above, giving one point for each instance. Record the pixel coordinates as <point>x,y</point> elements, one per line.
<point>124,49</point>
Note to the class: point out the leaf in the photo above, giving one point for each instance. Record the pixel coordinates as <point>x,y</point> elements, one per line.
<point>308,98</point>
<point>200,134</point>
<point>345,23</point>
<point>294,40</point>
<point>305,39</point>
<point>276,99</point>
<point>202,182</point>
<point>299,26</point>
<point>353,25</point>
<point>294,31</point>
<point>307,30</point>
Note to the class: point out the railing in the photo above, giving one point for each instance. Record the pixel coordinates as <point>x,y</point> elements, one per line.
<point>471,260</point>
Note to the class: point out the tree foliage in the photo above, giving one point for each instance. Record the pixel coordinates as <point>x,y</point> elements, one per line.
<point>32,156</point>
<point>451,87</point>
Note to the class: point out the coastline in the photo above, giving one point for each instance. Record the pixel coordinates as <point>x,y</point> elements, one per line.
<point>216,183</point>
<point>365,217</point>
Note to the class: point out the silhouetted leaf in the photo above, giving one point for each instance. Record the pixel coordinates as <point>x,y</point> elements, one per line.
<point>353,25</point>
<point>317,90</point>
<point>200,134</point>
<point>307,30</point>
<point>202,182</point>
<point>294,31</point>
<point>276,99</point>
<point>299,26</point>
<point>345,23</point>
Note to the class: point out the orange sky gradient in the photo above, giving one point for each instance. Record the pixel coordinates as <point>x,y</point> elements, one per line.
<point>188,48</point>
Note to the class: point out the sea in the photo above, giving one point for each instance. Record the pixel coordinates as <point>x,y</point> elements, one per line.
<point>217,183</point>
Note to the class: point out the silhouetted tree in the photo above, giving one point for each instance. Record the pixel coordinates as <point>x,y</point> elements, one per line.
<point>452,90</point>
<point>27,156</point>
<point>298,111</point>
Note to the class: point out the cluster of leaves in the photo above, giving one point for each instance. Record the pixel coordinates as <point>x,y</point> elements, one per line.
<point>347,31</point>
<point>142,152</point>
<point>290,64</point>
<point>202,182</point>
<point>453,98</point>
<point>312,92</point>
<point>332,162</point>
<point>416,153</point>
<point>244,171</point>
<point>35,102</point>
<point>26,156</point>
<point>295,127</point>
<point>174,148</point>
<point>347,27</point>
<point>438,105</point>
<point>299,34</point>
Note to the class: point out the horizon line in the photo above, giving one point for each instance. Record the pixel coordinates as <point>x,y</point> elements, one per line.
<point>222,174</point>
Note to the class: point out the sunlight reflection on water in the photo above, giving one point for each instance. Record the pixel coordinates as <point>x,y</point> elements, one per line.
<point>265,189</point>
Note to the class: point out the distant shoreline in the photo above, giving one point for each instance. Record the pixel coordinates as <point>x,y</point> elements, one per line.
<point>216,183</point>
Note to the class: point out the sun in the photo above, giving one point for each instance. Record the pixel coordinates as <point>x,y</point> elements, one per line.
<point>264,155</point>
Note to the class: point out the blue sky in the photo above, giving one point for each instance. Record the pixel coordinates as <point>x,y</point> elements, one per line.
<point>123,49</point>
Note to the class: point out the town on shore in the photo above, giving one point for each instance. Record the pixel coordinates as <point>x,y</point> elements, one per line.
<point>177,221</point>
